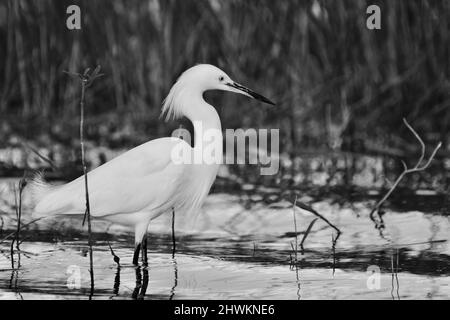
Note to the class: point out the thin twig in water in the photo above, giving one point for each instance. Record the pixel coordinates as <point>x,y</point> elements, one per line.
<point>175,279</point>
<point>392,277</point>
<point>294,264</point>
<point>18,209</point>
<point>306,234</point>
<point>308,208</point>
<point>333,250</point>
<point>417,168</point>
<point>86,79</point>
<point>396,277</point>
<point>116,258</point>
<point>308,230</point>
<point>295,230</point>
<point>174,243</point>
<point>83,161</point>
<point>297,280</point>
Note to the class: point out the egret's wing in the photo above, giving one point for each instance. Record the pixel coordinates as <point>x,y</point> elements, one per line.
<point>143,177</point>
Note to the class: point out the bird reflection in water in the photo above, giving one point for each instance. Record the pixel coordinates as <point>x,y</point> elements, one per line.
<point>141,283</point>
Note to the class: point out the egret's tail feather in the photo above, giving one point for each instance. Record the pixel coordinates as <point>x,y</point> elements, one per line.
<point>39,189</point>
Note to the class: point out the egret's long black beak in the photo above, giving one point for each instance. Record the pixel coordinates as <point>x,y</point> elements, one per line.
<point>250,92</point>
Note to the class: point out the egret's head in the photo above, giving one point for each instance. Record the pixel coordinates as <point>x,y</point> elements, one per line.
<point>201,78</point>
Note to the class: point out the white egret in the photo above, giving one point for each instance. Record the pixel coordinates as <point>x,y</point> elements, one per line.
<point>145,182</point>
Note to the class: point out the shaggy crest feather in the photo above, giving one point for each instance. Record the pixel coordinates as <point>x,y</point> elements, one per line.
<point>172,107</point>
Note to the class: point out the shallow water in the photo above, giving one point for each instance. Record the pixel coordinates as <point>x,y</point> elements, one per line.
<point>236,251</point>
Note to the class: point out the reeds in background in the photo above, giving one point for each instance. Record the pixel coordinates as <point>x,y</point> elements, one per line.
<point>339,86</point>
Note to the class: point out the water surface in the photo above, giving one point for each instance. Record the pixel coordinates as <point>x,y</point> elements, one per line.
<point>235,251</point>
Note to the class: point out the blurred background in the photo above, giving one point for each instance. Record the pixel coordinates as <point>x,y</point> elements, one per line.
<point>342,92</point>
<point>342,89</point>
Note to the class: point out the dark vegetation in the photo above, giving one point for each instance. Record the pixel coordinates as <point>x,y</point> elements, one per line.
<point>342,90</point>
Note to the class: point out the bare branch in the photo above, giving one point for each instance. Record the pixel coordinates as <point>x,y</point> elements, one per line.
<point>422,144</point>
<point>406,170</point>
<point>307,233</point>
<point>310,209</point>
<point>431,157</point>
<point>405,167</point>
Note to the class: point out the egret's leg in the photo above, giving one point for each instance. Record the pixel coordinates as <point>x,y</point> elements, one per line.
<point>137,248</point>
<point>140,235</point>
<point>144,251</point>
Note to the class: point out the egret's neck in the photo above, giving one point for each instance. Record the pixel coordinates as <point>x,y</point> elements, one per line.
<point>206,122</point>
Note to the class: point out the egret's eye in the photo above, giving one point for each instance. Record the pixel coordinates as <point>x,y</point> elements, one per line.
<point>221,78</point>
